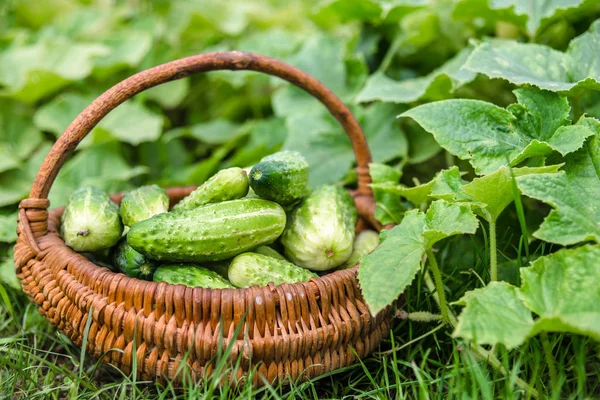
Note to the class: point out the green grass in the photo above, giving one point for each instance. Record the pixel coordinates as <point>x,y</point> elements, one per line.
<point>418,360</point>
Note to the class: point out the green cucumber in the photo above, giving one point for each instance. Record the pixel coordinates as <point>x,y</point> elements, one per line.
<point>190,275</point>
<point>142,203</point>
<point>268,251</point>
<point>132,263</point>
<point>364,243</point>
<point>281,177</point>
<point>253,269</point>
<point>227,184</point>
<point>321,230</point>
<point>91,221</point>
<point>220,267</point>
<point>210,233</point>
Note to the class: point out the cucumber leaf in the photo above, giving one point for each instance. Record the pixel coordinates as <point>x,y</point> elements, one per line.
<point>561,289</point>
<point>494,314</point>
<point>573,194</point>
<point>489,136</point>
<point>542,66</point>
<point>388,270</point>
<point>436,85</point>
<point>388,207</point>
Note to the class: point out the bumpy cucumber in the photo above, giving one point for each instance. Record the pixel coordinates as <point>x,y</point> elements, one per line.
<point>269,251</point>
<point>210,233</point>
<point>132,263</point>
<point>142,203</point>
<point>253,269</point>
<point>320,232</point>
<point>227,184</point>
<point>364,243</point>
<point>91,221</point>
<point>190,275</point>
<point>281,177</point>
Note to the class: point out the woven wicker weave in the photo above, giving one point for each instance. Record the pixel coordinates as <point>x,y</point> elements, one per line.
<point>287,331</point>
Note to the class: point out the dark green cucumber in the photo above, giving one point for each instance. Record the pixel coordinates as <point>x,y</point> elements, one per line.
<point>190,275</point>
<point>281,177</point>
<point>132,263</point>
<point>91,221</point>
<point>210,233</point>
<point>253,269</point>
<point>320,232</point>
<point>142,203</point>
<point>227,184</point>
<point>364,243</point>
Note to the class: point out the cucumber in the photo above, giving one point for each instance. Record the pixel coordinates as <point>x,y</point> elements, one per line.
<point>281,177</point>
<point>142,203</point>
<point>227,184</point>
<point>132,263</point>
<point>320,231</point>
<point>210,233</point>
<point>190,275</point>
<point>253,269</point>
<point>91,221</point>
<point>364,243</point>
<point>269,251</point>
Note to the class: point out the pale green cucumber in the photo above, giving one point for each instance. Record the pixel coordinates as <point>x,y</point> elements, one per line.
<point>91,221</point>
<point>268,251</point>
<point>227,184</point>
<point>253,269</point>
<point>142,203</point>
<point>321,230</point>
<point>364,243</point>
<point>209,233</point>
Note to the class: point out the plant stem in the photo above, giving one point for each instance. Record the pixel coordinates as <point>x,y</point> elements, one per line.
<point>439,285</point>
<point>389,55</point>
<point>493,252</point>
<point>549,360</point>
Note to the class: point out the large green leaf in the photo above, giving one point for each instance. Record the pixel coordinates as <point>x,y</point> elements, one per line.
<point>489,136</point>
<point>562,289</point>
<point>8,228</point>
<point>541,66</point>
<point>494,192</point>
<point>494,314</point>
<point>31,72</point>
<point>573,193</point>
<point>130,122</point>
<point>530,14</point>
<point>436,85</point>
<point>384,274</point>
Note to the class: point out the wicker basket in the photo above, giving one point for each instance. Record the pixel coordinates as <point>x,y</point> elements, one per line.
<point>287,332</point>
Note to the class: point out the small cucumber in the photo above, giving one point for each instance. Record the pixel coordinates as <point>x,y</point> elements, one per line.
<point>210,233</point>
<point>227,184</point>
<point>190,275</point>
<point>220,267</point>
<point>320,231</point>
<point>142,203</point>
<point>281,177</point>
<point>364,243</point>
<point>91,221</point>
<point>253,269</point>
<point>132,263</point>
<point>269,251</point>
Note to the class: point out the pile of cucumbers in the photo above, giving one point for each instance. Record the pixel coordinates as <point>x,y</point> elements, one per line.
<point>229,232</point>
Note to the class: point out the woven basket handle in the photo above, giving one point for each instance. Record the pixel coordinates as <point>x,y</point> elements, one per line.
<point>232,60</point>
